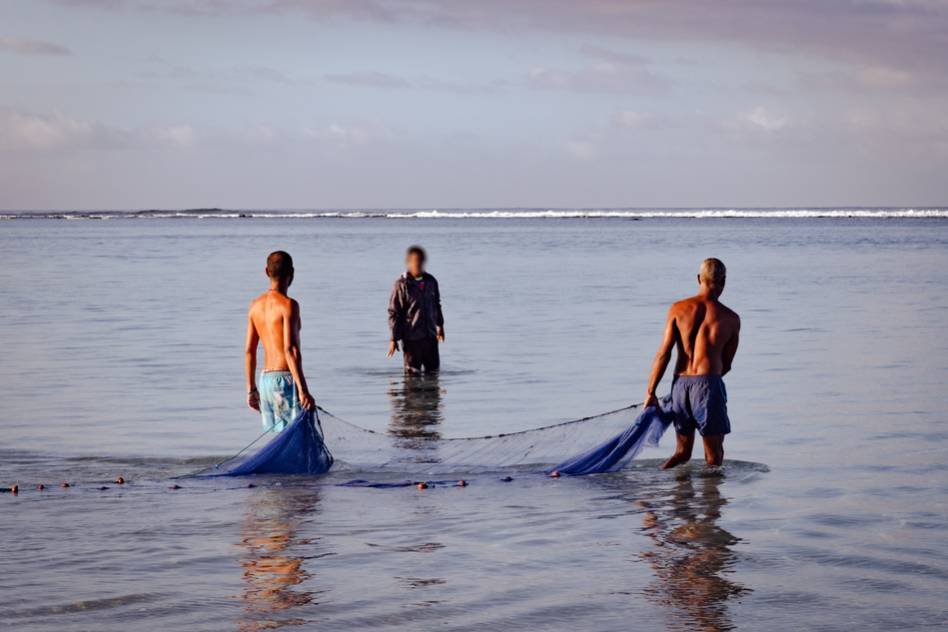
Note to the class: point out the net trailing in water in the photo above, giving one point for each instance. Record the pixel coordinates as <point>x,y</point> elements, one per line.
<point>600,443</point>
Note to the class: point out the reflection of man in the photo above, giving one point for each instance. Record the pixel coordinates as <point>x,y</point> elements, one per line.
<point>705,334</point>
<point>692,553</point>
<point>414,315</point>
<point>416,406</point>
<point>273,560</point>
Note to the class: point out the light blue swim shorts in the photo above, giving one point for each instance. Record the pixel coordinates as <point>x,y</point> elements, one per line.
<point>278,402</point>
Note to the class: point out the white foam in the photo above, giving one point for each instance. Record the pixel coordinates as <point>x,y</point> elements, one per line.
<point>501,214</point>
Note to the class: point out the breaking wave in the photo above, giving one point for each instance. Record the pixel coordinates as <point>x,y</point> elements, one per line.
<point>494,214</point>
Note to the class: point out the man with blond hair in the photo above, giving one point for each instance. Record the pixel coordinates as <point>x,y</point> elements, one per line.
<point>705,334</point>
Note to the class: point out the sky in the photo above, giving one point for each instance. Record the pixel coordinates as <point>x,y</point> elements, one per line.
<point>425,104</point>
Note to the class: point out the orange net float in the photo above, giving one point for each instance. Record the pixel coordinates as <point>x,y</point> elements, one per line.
<point>120,480</point>
<point>65,485</point>
<point>554,474</point>
<point>421,485</point>
<point>462,483</point>
<point>14,489</point>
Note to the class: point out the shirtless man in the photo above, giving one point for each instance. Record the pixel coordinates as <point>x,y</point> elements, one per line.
<point>705,333</point>
<point>274,319</point>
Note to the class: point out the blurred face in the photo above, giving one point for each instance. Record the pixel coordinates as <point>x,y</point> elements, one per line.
<point>414,264</point>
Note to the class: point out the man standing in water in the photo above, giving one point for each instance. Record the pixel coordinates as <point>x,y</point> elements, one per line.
<point>705,333</point>
<point>274,319</point>
<point>414,315</point>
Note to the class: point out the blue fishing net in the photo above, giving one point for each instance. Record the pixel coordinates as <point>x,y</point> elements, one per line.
<point>600,443</point>
<point>298,449</point>
<point>615,453</point>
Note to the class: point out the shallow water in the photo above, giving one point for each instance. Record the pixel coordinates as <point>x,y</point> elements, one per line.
<point>122,355</point>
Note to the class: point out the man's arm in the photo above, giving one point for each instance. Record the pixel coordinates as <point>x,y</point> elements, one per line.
<point>250,364</point>
<point>730,350</point>
<point>395,309</point>
<point>293,354</point>
<point>662,357</point>
<point>439,315</point>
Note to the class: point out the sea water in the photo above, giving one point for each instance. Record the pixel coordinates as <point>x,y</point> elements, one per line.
<point>122,344</point>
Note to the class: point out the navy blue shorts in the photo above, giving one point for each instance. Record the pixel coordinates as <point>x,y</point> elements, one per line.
<point>700,401</point>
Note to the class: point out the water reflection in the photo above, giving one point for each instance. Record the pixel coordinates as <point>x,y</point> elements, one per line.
<point>692,554</point>
<point>416,410</point>
<point>273,558</point>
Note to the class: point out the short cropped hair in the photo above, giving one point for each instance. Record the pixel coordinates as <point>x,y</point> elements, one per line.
<point>713,272</point>
<point>279,265</point>
<point>417,250</point>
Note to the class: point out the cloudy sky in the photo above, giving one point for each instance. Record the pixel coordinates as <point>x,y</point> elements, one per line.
<point>460,103</point>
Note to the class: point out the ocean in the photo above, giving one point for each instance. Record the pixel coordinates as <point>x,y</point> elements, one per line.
<point>122,339</point>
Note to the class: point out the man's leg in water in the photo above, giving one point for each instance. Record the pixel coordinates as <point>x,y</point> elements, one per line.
<point>411,352</point>
<point>714,449</point>
<point>686,443</point>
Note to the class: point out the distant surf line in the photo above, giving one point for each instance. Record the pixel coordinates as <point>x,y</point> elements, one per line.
<point>498,214</point>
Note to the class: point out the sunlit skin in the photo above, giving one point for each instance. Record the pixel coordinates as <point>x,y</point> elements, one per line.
<point>705,333</point>
<point>415,266</point>
<point>274,321</point>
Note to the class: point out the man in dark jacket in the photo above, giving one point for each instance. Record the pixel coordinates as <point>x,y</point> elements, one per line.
<point>414,315</point>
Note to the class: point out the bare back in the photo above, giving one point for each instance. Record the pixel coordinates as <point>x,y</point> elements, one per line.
<point>706,334</point>
<point>268,316</point>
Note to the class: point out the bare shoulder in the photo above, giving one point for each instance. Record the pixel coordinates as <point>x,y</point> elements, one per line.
<point>256,303</point>
<point>684,306</point>
<point>730,314</point>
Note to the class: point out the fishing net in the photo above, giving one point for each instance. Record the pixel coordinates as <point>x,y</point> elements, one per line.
<point>298,449</point>
<point>600,443</point>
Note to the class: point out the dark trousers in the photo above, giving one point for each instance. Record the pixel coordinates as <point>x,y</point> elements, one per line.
<point>421,353</point>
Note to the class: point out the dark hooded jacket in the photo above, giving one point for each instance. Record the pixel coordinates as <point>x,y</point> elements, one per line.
<point>414,309</point>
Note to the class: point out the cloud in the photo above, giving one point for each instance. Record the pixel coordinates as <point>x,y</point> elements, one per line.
<point>889,39</point>
<point>369,79</point>
<point>385,81</point>
<point>175,135</point>
<point>762,119</point>
<point>610,71</point>
<point>21,130</point>
<point>40,132</point>
<point>31,47</point>
<point>883,77</point>
<point>346,136</point>
<point>902,33</point>
<point>629,119</point>
<point>581,149</point>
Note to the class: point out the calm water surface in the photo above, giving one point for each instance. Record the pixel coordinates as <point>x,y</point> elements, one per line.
<point>122,354</point>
